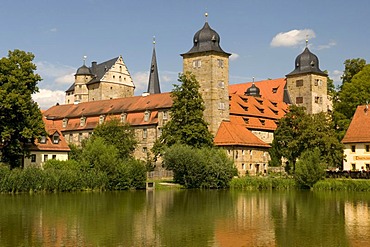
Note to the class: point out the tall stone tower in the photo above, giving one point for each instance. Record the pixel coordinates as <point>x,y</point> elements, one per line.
<point>307,84</point>
<point>210,65</point>
<point>82,77</point>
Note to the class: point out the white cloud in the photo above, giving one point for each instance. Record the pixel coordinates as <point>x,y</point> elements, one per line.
<point>292,38</point>
<point>54,29</point>
<point>336,77</point>
<point>47,98</point>
<point>234,56</point>
<point>327,46</point>
<point>60,74</point>
<point>140,80</point>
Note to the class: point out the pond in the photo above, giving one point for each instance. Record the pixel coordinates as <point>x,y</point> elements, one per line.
<point>186,218</point>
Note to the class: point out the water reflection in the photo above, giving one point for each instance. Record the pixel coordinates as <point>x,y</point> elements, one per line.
<point>186,218</point>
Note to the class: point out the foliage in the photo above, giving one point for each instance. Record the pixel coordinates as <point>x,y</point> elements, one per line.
<point>351,68</point>
<point>262,183</point>
<point>310,168</point>
<point>199,168</point>
<point>351,95</point>
<point>298,131</point>
<point>20,120</point>
<point>343,185</point>
<point>117,134</point>
<point>187,125</point>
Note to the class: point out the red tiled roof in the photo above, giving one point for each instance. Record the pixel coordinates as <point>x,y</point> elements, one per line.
<point>230,134</point>
<point>112,106</point>
<point>270,89</point>
<point>359,130</point>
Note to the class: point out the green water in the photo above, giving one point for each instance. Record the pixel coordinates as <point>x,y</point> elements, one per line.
<point>186,218</point>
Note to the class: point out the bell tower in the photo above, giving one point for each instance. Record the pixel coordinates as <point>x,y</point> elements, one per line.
<point>210,65</point>
<point>307,84</point>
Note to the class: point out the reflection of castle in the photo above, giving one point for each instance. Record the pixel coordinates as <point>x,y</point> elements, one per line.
<point>242,117</point>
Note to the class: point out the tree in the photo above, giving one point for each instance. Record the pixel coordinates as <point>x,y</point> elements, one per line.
<point>310,168</point>
<point>187,125</point>
<point>119,135</point>
<point>20,117</point>
<point>351,95</point>
<point>298,131</point>
<point>351,68</point>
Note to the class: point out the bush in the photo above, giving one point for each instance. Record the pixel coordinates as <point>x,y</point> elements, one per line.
<point>199,168</point>
<point>309,168</point>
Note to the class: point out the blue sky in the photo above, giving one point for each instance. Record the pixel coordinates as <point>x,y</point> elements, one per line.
<point>264,36</point>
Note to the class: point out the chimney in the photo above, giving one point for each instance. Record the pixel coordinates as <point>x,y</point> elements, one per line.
<point>93,67</point>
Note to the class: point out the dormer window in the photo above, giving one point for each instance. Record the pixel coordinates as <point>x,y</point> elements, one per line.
<point>101,119</point>
<point>246,120</point>
<point>262,121</point>
<point>65,122</point>
<point>43,139</point>
<point>82,121</point>
<point>123,117</point>
<point>56,138</point>
<point>146,116</point>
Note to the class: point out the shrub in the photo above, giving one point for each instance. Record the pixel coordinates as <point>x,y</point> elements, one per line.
<point>309,168</point>
<point>199,168</point>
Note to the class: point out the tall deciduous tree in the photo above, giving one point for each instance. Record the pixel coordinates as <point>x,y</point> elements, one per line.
<point>187,125</point>
<point>351,95</point>
<point>298,131</point>
<point>20,117</point>
<point>351,68</point>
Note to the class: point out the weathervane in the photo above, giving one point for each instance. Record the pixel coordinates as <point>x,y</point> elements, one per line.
<point>306,40</point>
<point>84,59</point>
<point>153,40</point>
<point>206,15</point>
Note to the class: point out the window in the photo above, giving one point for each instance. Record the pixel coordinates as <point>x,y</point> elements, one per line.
<point>33,158</point>
<point>145,149</point>
<point>367,148</point>
<point>159,131</point>
<point>220,63</point>
<point>246,120</point>
<point>123,117</point>
<point>353,166</point>
<point>165,115</point>
<point>101,119</point>
<point>65,122</point>
<point>145,133</point>
<point>80,137</point>
<point>54,157</point>
<point>299,100</point>
<point>318,82</point>
<point>367,167</point>
<point>262,121</point>
<point>221,84</point>
<point>55,138</point>
<point>274,90</point>
<point>221,106</point>
<point>318,100</point>
<point>353,148</point>
<point>243,166</point>
<point>70,138</point>
<point>45,157</point>
<point>299,83</point>
<point>82,121</point>
<point>43,139</point>
<point>146,116</point>
<point>197,63</point>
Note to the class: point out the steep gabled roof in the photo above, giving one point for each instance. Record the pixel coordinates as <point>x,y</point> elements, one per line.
<point>230,134</point>
<point>100,69</point>
<point>359,129</point>
<point>270,89</point>
<point>111,106</point>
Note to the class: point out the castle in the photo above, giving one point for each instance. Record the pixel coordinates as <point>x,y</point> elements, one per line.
<point>242,117</point>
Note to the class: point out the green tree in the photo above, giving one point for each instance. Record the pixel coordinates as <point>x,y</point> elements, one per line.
<point>310,168</point>
<point>187,125</point>
<point>352,94</point>
<point>115,133</point>
<point>351,68</point>
<point>298,131</point>
<point>20,117</point>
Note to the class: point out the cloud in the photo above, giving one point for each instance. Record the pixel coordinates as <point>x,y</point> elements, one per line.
<point>54,29</point>
<point>336,75</point>
<point>292,38</point>
<point>140,80</point>
<point>60,74</point>
<point>234,56</point>
<point>327,46</point>
<point>46,98</point>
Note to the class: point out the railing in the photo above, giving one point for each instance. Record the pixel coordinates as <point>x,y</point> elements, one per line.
<point>348,174</point>
<point>160,174</point>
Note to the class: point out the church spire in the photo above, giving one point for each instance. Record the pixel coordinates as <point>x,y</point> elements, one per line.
<point>153,85</point>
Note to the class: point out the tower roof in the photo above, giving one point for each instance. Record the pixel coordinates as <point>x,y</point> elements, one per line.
<point>206,39</point>
<point>306,62</point>
<point>153,85</point>
<point>83,70</point>
<point>253,91</point>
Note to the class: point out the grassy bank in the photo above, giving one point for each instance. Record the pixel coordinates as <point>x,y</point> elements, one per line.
<point>343,185</point>
<point>263,183</point>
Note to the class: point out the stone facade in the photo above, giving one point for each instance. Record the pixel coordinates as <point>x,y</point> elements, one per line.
<point>310,91</point>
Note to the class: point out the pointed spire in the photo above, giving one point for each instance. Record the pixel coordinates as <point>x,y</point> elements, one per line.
<point>153,85</point>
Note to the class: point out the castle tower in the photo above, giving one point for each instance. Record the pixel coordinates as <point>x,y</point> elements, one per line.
<point>82,77</point>
<point>307,84</point>
<point>153,85</point>
<point>210,65</point>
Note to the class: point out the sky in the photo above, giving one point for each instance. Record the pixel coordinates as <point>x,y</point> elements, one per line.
<point>264,37</point>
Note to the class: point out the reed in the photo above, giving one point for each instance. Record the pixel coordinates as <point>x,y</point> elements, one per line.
<point>263,183</point>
